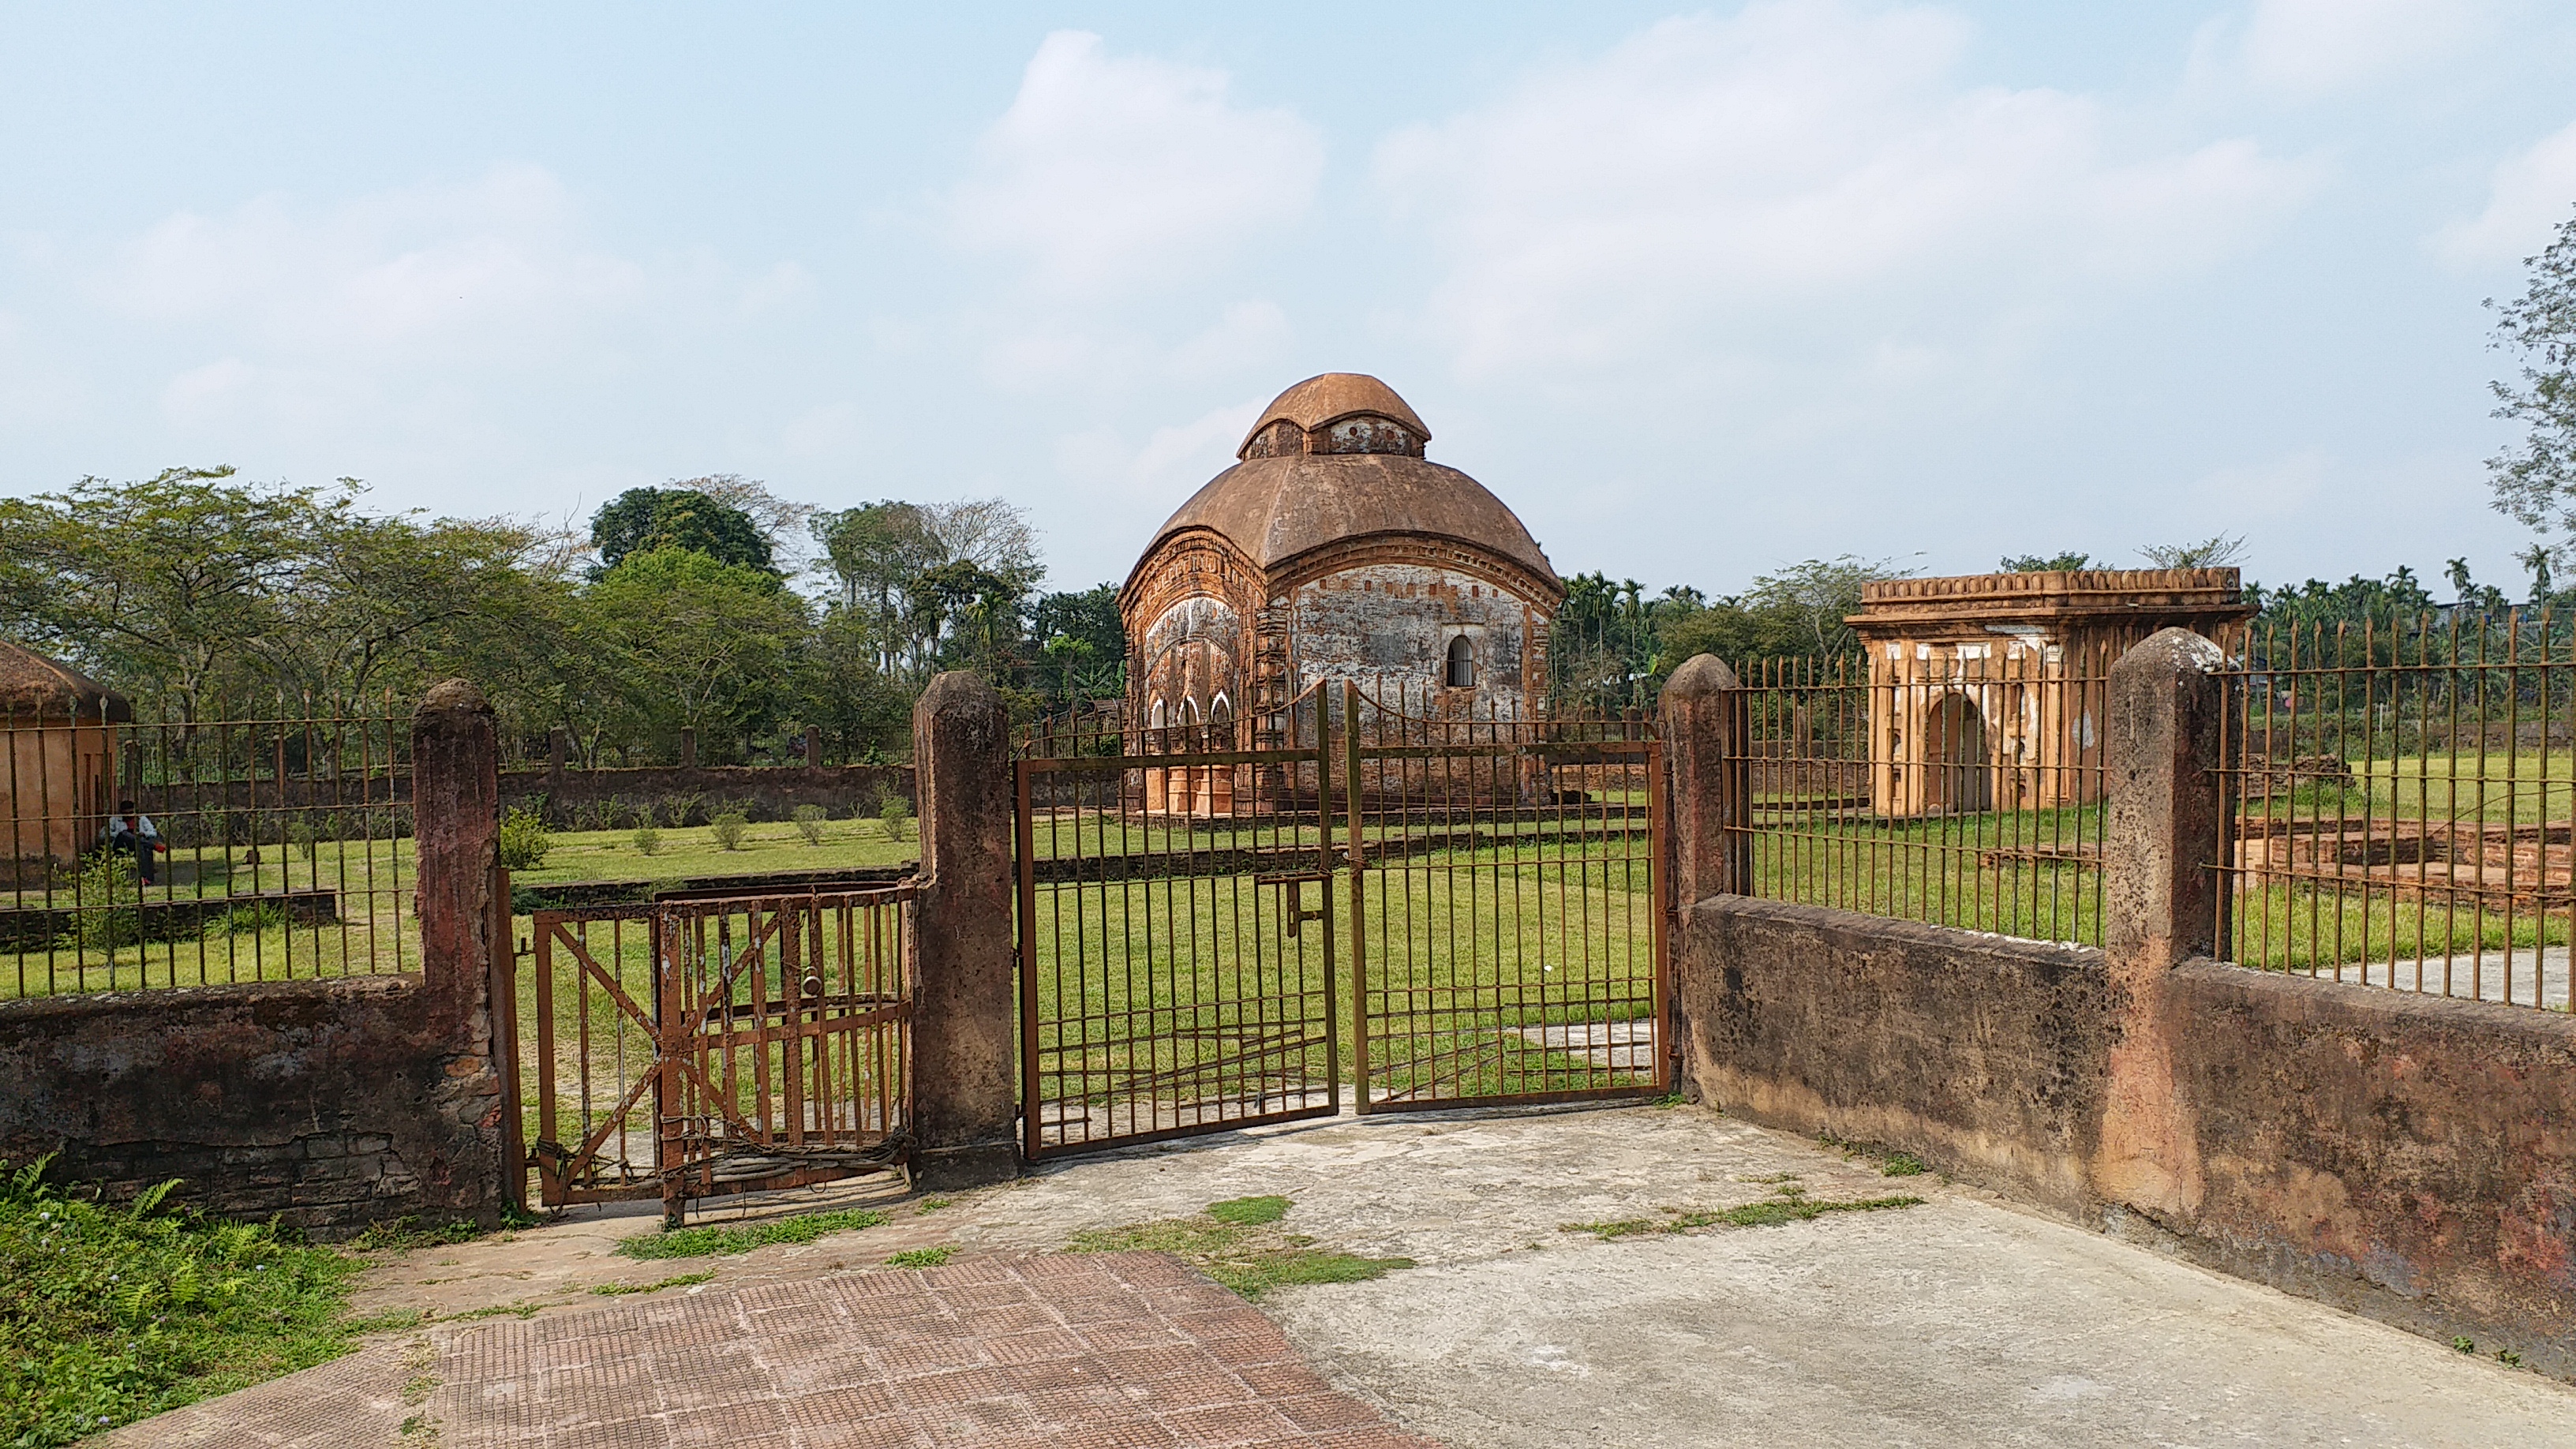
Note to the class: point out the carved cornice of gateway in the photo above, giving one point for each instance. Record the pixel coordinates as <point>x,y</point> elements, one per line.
<point>1194,563</point>
<point>1539,591</point>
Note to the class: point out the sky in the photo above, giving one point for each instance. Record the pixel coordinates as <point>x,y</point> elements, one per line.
<point>1697,292</point>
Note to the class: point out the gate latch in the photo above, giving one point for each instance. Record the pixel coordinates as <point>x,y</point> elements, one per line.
<point>1292,898</point>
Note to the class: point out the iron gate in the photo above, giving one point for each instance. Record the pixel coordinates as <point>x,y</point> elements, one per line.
<point>694,1048</point>
<point>1475,906</point>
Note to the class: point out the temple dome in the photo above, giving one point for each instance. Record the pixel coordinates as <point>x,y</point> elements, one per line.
<point>1321,401</point>
<point>1276,507</point>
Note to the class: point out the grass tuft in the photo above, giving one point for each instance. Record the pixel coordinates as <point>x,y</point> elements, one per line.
<point>1244,1253</point>
<point>920,1257</point>
<point>708,1242</point>
<point>683,1280</point>
<point>399,1236</point>
<point>1788,1203</point>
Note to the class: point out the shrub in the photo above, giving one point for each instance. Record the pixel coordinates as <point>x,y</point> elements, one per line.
<point>648,841</point>
<point>301,834</point>
<point>524,839</point>
<point>248,918</point>
<point>106,892</point>
<point>676,809</point>
<point>728,826</point>
<point>809,822</point>
<point>895,813</point>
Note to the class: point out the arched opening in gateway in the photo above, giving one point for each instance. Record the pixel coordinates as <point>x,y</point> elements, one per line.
<point>1961,778</point>
<point>1461,670</point>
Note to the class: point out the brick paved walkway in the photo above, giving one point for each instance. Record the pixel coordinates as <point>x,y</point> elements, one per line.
<point>1121,1349</point>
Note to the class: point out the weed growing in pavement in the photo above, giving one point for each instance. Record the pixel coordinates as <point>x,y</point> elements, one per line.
<point>495,1310</point>
<point>2464,1345</point>
<point>1788,1203</point>
<point>931,1205</point>
<point>398,1235</point>
<point>1244,1253</point>
<point>709,1241</point>
<point>613,1290</point>
<point>920,1257</point>
<point>1891,1163</point>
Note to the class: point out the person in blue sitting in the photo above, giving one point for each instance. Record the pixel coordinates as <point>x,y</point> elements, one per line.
<point>133,831</point>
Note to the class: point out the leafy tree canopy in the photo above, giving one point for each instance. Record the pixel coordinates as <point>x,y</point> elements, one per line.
<point>641,520</point>
<point>2216,552</point>
<point>2042,563</point>
<point>2535,479</point>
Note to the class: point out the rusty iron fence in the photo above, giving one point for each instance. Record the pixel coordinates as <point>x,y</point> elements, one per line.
<point>265,845</point>
<point>1964,788</point>
<point>705,1044</point>
<point>2401,795</point>
<point>1222,926</point>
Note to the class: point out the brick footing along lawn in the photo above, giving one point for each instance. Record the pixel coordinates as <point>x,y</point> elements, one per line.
<point>1125,1349</point>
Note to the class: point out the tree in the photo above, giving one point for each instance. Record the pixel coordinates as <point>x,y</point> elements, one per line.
<point>878,552</point>
<point>698,641</point>
<point>1084,641</point>
<point>2535,479</point>
<point>779,520</point>
<point>990,534</point>
<point>2035,563</point>
<point>641,520</point>
<point>2215,552</point>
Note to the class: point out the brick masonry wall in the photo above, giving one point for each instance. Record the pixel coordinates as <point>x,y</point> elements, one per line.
<point>2401,1156</point>
<point>325,1104</point>
<point>772,791</point>
<point>766,792</point>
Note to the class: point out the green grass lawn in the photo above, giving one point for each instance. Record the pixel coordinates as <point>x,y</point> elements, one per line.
<point>2026,873</point>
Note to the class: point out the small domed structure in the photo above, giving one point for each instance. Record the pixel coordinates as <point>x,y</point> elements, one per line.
<point>1334,550</point>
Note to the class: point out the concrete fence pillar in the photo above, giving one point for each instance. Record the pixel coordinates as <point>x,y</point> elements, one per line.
<point>456,834</point>
<point>461,902</point>
<point>1705,733</point>
<point>2160,895</point>
<point>965,1014</point>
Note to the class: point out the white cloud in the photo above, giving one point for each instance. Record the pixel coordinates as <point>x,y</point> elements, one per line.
<point>1107,170</point>
<point>482,270</point>
<point>1803,162</point>
<point>2532,193</point>
<point>2307,48</point>
<point>400,310</point>
<point>1170,465</point>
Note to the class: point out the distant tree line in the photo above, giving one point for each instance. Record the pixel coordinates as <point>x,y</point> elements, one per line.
<point>206,597</point>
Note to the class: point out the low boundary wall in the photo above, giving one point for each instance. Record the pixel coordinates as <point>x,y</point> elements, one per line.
<point>325,1104</point>
<point>2409,1157</point>
<point>2402,1156</point>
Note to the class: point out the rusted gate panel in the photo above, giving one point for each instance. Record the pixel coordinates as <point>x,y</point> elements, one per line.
<point>695,1048</point>
<point>1176,937</point>
<point>1526,960</point>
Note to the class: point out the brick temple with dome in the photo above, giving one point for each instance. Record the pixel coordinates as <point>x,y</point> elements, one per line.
<point>1332,550</point>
